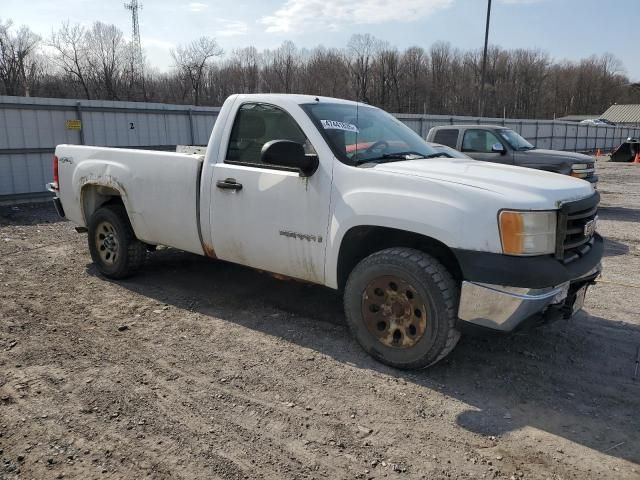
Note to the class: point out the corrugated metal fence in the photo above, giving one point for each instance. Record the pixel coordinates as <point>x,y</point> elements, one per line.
<point>30,128</point>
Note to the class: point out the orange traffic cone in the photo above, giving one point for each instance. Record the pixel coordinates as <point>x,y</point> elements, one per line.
<point>637,158</point>
<point>598,153</point>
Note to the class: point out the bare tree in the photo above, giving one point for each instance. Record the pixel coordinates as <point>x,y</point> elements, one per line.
<point>326,72</point>
<point>18,60</point>
<point>386,77</point>
<point>361,50</point>
<point>192,61</point>
<point>285,65</point>
<point>414,78</point>
<point>245,63</point>
<point>441,54</point>
<point>70,44</point>
<point>107,57</point>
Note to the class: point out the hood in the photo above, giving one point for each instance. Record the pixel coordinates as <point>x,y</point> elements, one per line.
<point>535,188</point>
<point>558,154</point>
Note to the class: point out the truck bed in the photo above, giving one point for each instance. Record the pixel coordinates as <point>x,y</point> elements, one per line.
<point>159,189</point>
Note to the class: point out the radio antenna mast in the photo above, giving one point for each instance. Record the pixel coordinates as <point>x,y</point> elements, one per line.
<point>136,54</point>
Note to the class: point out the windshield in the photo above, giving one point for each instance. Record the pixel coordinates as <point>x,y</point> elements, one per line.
<point>367,134</point>
<point>515,140</point>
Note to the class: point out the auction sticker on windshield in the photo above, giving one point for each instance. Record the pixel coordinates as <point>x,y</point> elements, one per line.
<point>335,125</point>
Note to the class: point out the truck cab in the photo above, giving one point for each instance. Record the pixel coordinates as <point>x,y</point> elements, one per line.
<point>493,143</point>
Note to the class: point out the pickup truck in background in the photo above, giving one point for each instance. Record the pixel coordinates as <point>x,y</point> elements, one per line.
<point>492,143</point>
<point>342,194</point>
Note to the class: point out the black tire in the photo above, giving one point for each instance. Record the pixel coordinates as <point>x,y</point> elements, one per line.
<point>129,253</point>
<point>431,287</point>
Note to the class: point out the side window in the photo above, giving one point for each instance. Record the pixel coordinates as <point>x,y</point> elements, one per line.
<point>448,137</point>
<point>478,141</point>
<point>257,124</point>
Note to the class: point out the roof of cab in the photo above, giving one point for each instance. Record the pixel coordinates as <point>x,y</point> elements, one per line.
<point>296,98</point>
<point>471,125</point>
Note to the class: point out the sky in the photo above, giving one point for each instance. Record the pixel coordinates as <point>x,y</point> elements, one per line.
<point>566,29</point>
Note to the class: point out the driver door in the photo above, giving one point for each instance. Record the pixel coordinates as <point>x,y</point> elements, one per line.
<point>267,216</point>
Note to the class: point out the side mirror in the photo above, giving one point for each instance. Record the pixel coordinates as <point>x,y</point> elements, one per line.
<point>498,148</point>
<point>286,153</point>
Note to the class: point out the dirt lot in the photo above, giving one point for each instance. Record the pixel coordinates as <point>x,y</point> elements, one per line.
<point>200,369</point>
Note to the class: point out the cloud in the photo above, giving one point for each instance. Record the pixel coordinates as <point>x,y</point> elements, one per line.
<point>152,42</point>
<point>300,15</point>
<point>197,7</point>
<point>231,28</point>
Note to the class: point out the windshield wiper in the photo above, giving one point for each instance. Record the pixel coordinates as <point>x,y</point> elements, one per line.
<point>412,156</point>
<point>525,148</point>
<point>401,156</point>
<point>408,155</point>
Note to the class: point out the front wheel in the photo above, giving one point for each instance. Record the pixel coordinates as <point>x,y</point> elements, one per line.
<point>400,305</point>
<point>114,248</point>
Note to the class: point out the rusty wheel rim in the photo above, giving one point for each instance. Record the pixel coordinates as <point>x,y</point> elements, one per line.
<point>394,312</point>
<point>107,243</point>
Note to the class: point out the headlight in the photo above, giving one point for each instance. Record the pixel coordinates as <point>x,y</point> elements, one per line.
<point>528,233</point>
<point>582,170</point>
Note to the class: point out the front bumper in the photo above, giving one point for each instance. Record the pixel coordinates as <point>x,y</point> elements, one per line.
<point>528,272</point>
<point>505,308</point>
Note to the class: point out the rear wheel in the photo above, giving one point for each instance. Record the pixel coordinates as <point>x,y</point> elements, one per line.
<point>401,304</point>
<point>114,248</point>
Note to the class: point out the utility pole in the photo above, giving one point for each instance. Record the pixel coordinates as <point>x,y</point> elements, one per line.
<point>484,62</point>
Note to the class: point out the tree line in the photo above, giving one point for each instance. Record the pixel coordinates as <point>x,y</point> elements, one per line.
<point>98,62</point>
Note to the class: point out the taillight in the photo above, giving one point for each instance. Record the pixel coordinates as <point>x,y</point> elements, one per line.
<point>55,172</point>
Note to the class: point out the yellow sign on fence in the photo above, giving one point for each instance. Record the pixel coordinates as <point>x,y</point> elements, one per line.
<point>73,125</point>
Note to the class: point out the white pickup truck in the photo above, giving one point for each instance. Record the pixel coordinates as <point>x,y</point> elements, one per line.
<point>342,194</point>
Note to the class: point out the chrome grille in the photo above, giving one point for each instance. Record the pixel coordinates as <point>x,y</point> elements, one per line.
<point>575,233</point>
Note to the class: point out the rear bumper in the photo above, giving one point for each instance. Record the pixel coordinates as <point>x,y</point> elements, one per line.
<point>505,308</point>
<point>53,187</point>
<point>58,206</point>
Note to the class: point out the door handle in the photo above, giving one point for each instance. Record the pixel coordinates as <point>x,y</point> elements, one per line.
<point>229,184</point>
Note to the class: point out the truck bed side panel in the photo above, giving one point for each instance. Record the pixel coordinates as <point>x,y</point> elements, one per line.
<point>159,190</point>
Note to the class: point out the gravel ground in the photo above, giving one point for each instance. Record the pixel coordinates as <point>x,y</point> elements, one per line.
<point>200,369</point>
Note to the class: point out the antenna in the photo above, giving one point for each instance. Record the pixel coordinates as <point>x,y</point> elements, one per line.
<point>136,54</point>
<point>357,129</point>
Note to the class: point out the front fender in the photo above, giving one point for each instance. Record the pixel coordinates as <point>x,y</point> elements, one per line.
<point>443,212</point>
